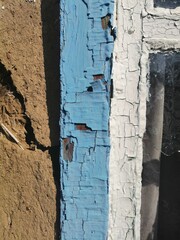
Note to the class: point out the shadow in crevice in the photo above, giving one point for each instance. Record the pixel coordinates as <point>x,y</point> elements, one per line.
<point>169,199</point>
<point>151,172</point>
<point>7,85</point>
<point>50,11</point>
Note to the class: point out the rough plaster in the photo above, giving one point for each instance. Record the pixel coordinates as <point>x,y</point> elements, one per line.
<point>141,29</point>
<point>86,56</point>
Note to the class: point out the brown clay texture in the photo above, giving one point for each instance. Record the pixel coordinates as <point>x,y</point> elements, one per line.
<point>29,109</point>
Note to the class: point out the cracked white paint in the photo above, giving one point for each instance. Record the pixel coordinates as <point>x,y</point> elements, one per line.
<point>141,29</point>
<point>161,12</point>
<point>126,141</point>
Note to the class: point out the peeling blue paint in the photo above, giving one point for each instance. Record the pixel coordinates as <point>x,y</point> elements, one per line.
<point>86,53</point>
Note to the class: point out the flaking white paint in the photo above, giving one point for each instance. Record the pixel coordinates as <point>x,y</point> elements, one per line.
<point>126,142</point>
<point>141,29</point>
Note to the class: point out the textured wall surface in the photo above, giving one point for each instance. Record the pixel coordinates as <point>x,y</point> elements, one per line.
<point>141,29</point>
<point>86,45</point>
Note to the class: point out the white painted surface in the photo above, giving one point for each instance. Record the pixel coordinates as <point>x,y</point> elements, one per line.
<point>160,28</point>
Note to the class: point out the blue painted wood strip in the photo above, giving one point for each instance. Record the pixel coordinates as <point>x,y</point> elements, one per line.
<point>85,67</point>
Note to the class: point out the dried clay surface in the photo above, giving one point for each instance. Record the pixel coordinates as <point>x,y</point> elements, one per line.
<point>29,172</point>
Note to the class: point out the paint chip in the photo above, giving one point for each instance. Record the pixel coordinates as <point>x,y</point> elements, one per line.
<point>105,21</point>
<point>98,77</point>
<point>68,148</point>
<point>82,127</point>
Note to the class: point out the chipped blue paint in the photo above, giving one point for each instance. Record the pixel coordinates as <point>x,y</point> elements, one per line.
<point>86,52</point>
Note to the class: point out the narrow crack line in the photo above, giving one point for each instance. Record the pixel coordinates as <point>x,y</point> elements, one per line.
<point>6,81</point>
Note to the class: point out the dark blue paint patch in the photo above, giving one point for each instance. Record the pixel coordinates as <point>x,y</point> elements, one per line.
<point>86,53</point>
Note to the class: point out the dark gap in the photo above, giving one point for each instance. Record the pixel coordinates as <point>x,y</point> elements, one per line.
<point>90,89</point>
<point>7,82</point>
<point>50,14</point>
<point>169,200</point>
<point>113,32</point>
<point>111,83</point>
<point>111,89</point>
<point>151,172</point>
<point>30,136</point>
<point>167,3</point>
